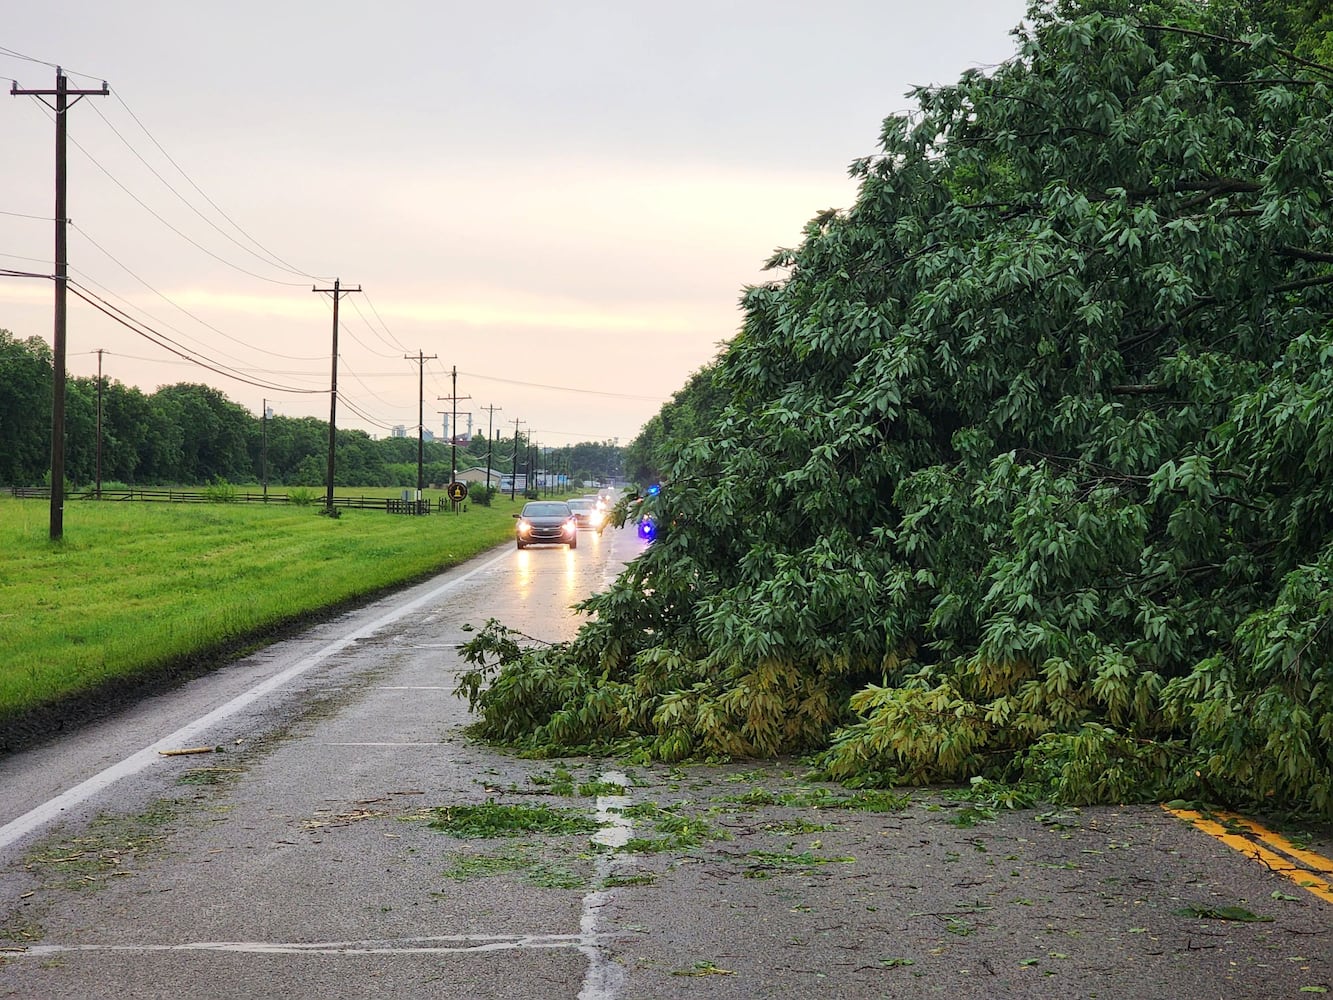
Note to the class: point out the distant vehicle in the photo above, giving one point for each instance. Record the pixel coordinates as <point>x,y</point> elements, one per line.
<point>587,513</point>
<point>546,522</point>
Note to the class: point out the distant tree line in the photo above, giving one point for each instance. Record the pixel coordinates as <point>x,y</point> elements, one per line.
<point>193,434</point>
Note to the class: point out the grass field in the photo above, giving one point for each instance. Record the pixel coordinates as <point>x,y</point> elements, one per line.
<point>134,589</point>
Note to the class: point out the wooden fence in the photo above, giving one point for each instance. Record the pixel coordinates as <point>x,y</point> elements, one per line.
<point>394,505</point>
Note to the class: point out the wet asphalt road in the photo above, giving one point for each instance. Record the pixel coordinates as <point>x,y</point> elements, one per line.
<point>299,861</point>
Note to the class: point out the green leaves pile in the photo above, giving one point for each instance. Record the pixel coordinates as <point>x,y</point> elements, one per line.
<point>1025,468</point>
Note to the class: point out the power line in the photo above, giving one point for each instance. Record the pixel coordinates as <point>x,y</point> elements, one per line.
<point>363,385</point>
<point>371,303</point>
<point>561,388</point>
<point>365,416</point>
<point>209,222</point>
<point>25,215</point>
<point>43,62</point>
<point>179,169</point>
<point>188,239</point>
<point>160,322</point>
<point>167,344</point>
<point>165,298</point>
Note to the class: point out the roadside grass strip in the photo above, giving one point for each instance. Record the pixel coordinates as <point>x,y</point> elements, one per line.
<point>1306,869</point>
<point>138,591</point>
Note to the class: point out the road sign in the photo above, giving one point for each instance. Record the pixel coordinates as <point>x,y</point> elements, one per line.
<point>457,491</point>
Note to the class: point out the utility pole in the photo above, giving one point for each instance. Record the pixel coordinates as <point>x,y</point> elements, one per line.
<point>453,397</point>
<point>263,459</point>
<point>421,360</point>
<point>490,422</point>
<point>513,476</point>
<point>99,423</point>
<point>338,292</point>
<point>62,94</point>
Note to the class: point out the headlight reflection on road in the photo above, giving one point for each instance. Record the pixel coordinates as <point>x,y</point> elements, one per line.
<point>523,572</point>
<point>571,576</point>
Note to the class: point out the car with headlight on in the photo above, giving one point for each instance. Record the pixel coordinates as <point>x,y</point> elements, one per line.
<point>546,522</point>
<point>587,513</point>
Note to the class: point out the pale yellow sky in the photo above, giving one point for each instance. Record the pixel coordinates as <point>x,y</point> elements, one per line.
<point>563,202</point>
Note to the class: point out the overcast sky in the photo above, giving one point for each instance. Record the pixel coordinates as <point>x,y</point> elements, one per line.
<point>563,201</point>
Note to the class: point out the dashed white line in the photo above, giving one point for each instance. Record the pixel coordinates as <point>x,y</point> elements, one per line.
<point>435,743</point>
<point>604,977</point>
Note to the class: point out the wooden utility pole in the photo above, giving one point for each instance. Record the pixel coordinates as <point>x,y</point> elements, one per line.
<point>513,476</point>
<point>263,437</point>
<point>338,292</point>
<point>421,360</point>
<point>454,397</point>
<point>100,351</point>
<point>62,94</point>
<point>490,422</point>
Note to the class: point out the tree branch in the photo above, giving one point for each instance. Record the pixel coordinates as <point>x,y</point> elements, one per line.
<point>1139,390</point>
<point>1239,42</point>
<point>1317,256</point>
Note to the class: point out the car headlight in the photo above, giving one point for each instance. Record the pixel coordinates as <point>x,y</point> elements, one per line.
<point>524,527</point>
<point>571,526</point>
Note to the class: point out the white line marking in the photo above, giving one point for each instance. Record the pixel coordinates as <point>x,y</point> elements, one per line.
<point>411,687</point>
<point>190,733</point>
<point>604,977</point>
<point>435,744</point>
<point>441,945</point>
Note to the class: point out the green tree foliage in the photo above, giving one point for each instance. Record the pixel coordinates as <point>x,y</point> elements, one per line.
<point>1023,468</point>
<point>192,434</point>
<point>690,413</point>
<point>25,409</point>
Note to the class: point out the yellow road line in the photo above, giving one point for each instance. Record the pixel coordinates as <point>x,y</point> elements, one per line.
<point>1315,862</point>
<point>1297,865</point>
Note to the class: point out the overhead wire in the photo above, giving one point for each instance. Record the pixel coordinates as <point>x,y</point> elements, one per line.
<point>390,341</point>
<point>25,215</point>
<point>187,238</point>
<point>345,368</point>
<point>43,62</point>
<point>167,344</point>
<point>274,258</point>
<point>175,305</point>
<point>361,343</point>
<point>380,423</point>
<point>561,388</point>
<point>207,221</point>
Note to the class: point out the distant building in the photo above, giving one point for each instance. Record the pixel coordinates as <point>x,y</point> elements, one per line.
<point>399,431</point>
<point>478,475</point>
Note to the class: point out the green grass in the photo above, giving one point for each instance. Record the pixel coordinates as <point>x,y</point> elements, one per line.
<point>493,819</point>
<point>523,861</point>
<point>136,587</point>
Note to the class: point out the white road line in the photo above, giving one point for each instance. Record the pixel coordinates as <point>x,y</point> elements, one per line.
<point>441,945</point>
<point>604,977</point>
<point>48,811</point>
<point>434,744</point>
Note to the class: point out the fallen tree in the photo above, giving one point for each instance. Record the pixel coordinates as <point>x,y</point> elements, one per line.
<point>1022,469</point>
